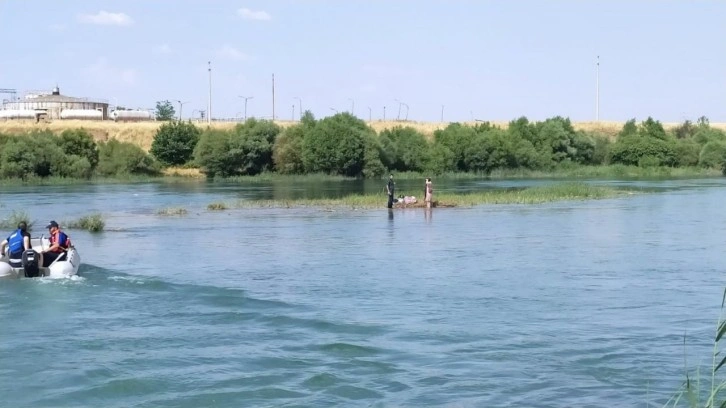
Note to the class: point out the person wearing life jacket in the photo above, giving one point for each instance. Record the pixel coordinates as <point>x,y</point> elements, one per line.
<point>16,243</point>
<point>59,244</point>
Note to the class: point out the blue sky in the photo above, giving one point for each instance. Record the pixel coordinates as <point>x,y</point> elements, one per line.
<point>488,60</point>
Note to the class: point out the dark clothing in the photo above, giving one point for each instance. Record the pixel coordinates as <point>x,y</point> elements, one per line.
<point>49,257</point>
<point>391,190</point>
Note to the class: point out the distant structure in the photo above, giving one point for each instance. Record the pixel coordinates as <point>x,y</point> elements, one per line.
<point>53,105</point>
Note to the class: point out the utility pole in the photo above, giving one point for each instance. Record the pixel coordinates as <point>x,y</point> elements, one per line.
<point>384,113</point>
<point>246,98</point>
<point>273,97</point>
<point>597,90</point>
<point>442,113</point>
<point>406,105</point>
<point>352,106</point>
<point>209,106</point>
<point>370,114</point>
<point>293,112</point>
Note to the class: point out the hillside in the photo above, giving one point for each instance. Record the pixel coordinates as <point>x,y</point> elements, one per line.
<point>142,133</point>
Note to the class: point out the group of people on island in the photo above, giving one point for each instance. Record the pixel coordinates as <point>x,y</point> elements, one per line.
<point>19,241</point>
<point>403,200</point>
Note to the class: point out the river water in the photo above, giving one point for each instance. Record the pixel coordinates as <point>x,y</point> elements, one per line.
<point>567,304</point>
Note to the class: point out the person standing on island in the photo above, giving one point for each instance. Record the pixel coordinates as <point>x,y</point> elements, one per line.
<point>428,192</point>
<point>390,189</point>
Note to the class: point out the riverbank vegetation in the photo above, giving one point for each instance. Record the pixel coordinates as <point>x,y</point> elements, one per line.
<point>71,155</point>
<point>530,195</point>
<point>345,146</point>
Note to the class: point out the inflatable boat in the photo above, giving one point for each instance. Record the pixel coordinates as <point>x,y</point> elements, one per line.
<point>64,266</point>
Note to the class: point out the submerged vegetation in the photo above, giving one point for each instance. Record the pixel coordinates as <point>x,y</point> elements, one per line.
<point>172,211</point>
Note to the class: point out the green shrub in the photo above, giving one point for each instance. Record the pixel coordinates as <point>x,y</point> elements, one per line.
<point>687,152</point>
<point>80,143</point>
<point>407,150</point>
<point>600,150</point>
<point>713,154</point>
<point>372,165</point>
<point>123,158</point>
<point>247,150</point>
<point>287,151</point>
<point>174,143</point>
<point>456,138</point>
<point>336,145</point>
<point>440,160</point>
<point>629,150</point>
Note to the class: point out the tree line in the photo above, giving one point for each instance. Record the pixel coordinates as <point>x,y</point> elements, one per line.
<point>345,145</point>
<point>72,154</point>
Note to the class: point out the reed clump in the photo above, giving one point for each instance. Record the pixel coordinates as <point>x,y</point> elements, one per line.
<point>90,223</point>
<point>710,392</point>
<point>15,218</point>
<point>218,206</point>
<point>172,211</point>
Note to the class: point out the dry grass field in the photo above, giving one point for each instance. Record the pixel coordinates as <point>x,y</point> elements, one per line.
<point>142,133</point>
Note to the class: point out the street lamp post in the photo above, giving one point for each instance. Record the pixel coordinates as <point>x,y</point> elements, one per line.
<point>442,113</point>
<point>370,114</point>
<point>352,106</point>
<point>597,90</point>
<point>384,113</point>
<point>406,105</point>
<point>399,109</point>
<point>209,107</point>
<point>246,98</point>
<point>181,105</point>
<point>299,100</point>
<point>334,110</point>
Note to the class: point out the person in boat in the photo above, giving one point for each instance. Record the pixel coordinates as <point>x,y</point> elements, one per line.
<point>16,244</point>
<point>59,244</point>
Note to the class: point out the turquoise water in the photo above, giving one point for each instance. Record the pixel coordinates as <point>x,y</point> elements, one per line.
<point>566,304</point>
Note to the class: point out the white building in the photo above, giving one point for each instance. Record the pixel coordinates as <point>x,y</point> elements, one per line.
<point>53,105</point>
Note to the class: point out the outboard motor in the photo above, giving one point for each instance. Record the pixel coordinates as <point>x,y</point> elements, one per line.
<point>31,264</point>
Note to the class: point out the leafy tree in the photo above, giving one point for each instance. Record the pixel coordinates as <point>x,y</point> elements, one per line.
<point>123,158</point>
<point>287,150</point>
<point>174,143</point>
<point>80,143</point>
<point>336,145</point>
<point>713,154</point>
<point>165,111</point>
<point>652,128</point>
<point>630,128</point>
<point>440,160</point>
<point>407,148</point>
<point>247,150</point>
<point>456,137</point>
